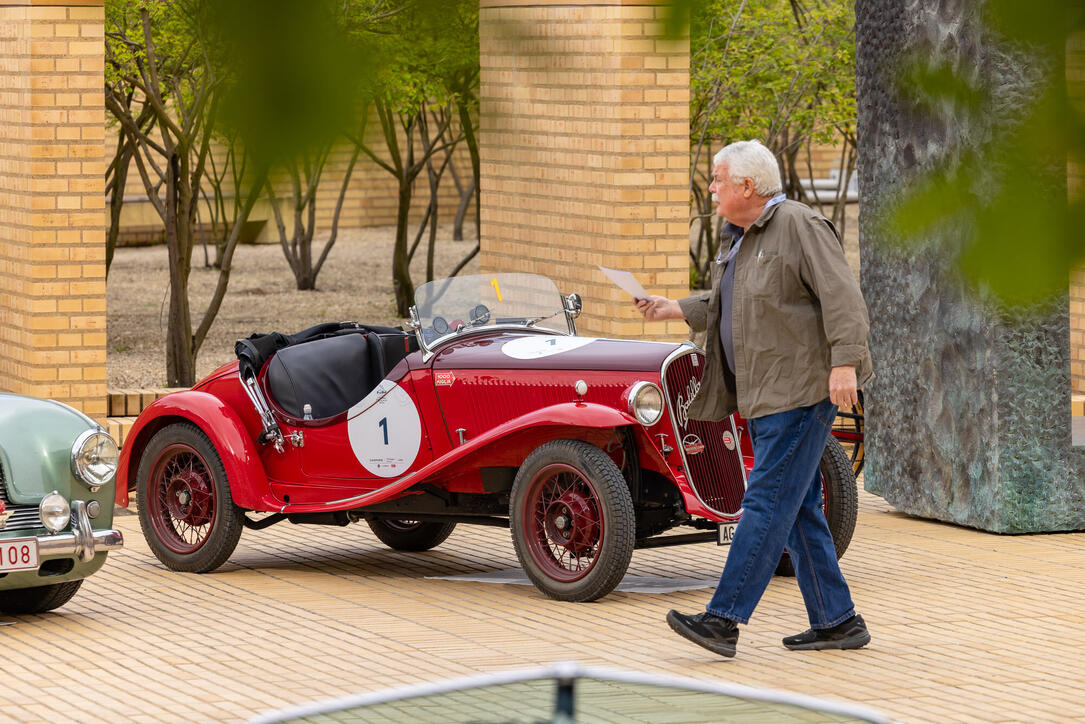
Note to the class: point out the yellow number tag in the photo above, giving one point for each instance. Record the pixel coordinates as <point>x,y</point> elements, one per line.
<point>493,283</point>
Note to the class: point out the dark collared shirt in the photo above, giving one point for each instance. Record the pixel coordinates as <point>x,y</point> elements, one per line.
<point>727,285</point>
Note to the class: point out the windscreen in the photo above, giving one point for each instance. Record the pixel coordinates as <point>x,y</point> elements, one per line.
<point>451,306</point>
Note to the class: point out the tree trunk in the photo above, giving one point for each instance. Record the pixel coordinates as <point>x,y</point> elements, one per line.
<point>467,124</point>
<point>461,211</point>
<point>180,360</point>
<point>401,266</point>
<point>116,195</point>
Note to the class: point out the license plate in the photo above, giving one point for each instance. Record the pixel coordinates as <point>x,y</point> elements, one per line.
<point>725,533</point>
<point>19,555</point>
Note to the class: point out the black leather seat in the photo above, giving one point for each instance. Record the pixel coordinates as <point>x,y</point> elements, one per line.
<point>330,374</point>
<point>389,349</point>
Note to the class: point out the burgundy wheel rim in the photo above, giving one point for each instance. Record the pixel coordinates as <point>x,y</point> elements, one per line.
<point>563,522</point>
<point>181,499</point>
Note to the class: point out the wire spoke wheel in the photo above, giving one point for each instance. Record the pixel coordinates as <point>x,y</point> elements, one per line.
<point>572,522</point>
<point>186,509</point>
<point>565,526</point>
<point>182,499</point>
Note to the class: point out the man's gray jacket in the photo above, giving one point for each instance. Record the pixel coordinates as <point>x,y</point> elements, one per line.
<point>797,313</point>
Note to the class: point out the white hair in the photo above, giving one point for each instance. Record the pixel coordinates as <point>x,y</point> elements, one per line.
<point>750,159</point>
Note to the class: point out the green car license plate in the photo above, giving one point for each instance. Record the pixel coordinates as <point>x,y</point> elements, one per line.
<point>20,554</point>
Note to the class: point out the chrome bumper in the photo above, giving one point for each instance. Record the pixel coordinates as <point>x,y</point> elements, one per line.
<point>83,541</point>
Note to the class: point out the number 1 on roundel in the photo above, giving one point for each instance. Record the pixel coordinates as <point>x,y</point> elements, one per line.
<point>493,283</point>
<point>383,425</point>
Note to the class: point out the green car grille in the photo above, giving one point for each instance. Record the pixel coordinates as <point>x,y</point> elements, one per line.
<point>22,517</point>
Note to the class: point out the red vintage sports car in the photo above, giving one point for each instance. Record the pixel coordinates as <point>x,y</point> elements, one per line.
<point>491,411</point>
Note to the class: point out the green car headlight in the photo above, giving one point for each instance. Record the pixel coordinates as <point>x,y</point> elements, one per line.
<point>646,403</point>
<point>55,512</point>
<point>94,458</point>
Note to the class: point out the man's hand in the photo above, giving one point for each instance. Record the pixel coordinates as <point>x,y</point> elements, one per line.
<point>656,308</point>
<point>843,388</point>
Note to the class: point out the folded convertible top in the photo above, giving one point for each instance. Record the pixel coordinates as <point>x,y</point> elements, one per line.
<point>254,351</point>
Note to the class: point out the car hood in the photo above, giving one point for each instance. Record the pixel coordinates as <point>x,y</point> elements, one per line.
<point>36,438</point>
<point>554,352</point>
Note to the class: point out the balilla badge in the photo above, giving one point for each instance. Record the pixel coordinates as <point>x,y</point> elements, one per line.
<point>692,444</point>
<point>683,403</point>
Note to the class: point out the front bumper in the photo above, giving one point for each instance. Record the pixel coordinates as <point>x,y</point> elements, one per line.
<point>83,542</point>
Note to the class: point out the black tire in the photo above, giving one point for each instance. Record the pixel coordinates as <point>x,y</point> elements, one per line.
<point>402,534</point>
<point>841,501</point>
<point>180,462</point>
<point>38,599</point>
<point>569,498</point>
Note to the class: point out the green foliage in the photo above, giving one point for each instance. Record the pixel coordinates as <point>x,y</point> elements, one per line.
<point>427,75</point>
<point>756,71</point>
<point>173,30</point>
<point>1002,203</point>
<point>164,81</point>
<point>426,49</point>
<point>779,72</point>
<point>293,82</point>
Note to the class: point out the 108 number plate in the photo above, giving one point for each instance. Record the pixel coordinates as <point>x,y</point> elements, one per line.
<point>19,555</point>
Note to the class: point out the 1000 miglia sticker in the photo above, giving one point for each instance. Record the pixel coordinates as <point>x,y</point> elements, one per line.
<point>385,431</point>
<point>537,347</point>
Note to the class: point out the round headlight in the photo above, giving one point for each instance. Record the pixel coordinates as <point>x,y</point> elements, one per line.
<point>646,403</point>
<point>55,512</point>
<point>94,458</point>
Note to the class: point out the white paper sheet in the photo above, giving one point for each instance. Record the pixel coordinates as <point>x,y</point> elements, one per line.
<point>626,281</point>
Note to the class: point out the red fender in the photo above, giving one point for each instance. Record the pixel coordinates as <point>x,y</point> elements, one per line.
<point>579,414</point>
<point>219,422</point>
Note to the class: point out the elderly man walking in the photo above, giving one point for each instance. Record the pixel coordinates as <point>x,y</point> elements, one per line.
<point>786,346</point>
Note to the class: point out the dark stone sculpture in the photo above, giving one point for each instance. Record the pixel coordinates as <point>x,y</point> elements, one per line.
<point>968,419</point>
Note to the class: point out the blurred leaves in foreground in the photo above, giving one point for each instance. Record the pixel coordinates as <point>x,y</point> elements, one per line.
<point>1001,193</point>
<point>292,80</point>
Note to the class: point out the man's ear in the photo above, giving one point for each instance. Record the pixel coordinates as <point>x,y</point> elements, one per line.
<point>748,189</point>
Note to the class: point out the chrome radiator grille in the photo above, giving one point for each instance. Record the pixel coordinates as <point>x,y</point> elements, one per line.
<point>23,517</point>
<point>716,473</point>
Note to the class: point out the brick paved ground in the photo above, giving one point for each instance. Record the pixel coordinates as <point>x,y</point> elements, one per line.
<point>967,626</point>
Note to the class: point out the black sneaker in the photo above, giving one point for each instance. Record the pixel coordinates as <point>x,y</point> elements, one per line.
<point>851,634</point>
<point>718,635</point>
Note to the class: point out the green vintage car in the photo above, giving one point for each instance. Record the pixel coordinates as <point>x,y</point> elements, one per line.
<point>56,502</point>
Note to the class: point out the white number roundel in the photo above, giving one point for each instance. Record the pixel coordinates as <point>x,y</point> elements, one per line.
<point>385,431</point>
<point>537,347</point>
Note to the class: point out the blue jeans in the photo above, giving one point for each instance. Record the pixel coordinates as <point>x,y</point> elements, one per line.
<point>782,507</point>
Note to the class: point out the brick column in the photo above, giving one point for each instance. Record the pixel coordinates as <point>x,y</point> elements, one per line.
<point>585,152</point>
<point>52,217</point>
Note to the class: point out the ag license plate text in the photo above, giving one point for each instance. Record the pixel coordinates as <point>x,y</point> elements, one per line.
<point>725,533</point>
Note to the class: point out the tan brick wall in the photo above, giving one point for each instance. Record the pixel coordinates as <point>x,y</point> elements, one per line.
<point>585,161</point>
<point>824,160</point>
<point>52,222</point>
